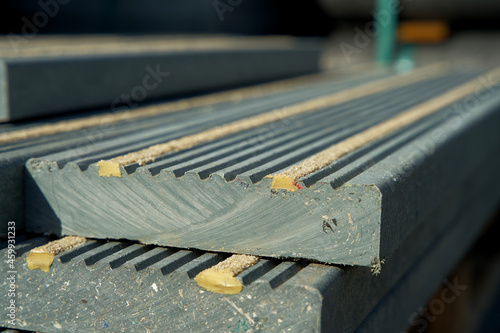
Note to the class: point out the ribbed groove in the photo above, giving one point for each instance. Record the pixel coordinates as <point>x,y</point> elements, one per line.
<point>168,260</point>
<point>105,251</point>
<point>26,144</point>
<point>34,141</point>
<point>285,160</point>
<point>231,152</point>
<point>110,149</point>
<point>331,116</point>
<point>175,261</point>
<point>226,112</point>
<point>151,257</point>
<point>283,272</point>
<point>246,138</point>
<point>183,156</point>
<point>257,271</point>
<point>320,138</point>
<point>202,262</point>
<point>95,253</point>
<point>315,132</point>
<point>87,137</point>
<point>238,154</point>
<point>147,138</point>
<point>298,154</point>
<point>260,159</point>
<point>237,112</point>
<point>87,247</point>
<point>376,154</point>
<point>344,161</point>
<point>121,257</point>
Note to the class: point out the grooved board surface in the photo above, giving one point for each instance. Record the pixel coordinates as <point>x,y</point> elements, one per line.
<point>87,141</point>
<point>215,196</point>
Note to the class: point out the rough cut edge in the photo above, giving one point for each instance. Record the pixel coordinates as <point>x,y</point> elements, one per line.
<point>149,154</point>
<point>163,108</point>
<point>376,266</point>
<point>221,277</point>
<point>43,256</point>
<point>284,183</point>
<point>286,179</point>
<point>60,245</point>
<point>109,168</point>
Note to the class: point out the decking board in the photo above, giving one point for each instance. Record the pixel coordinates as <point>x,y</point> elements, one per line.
<point>86,142</point>
<point>191,204</point>
<point>64,81</point>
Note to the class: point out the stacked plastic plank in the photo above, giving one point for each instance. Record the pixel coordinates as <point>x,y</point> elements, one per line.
<point>392,175</point>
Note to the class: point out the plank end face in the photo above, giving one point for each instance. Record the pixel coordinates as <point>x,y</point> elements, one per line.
<point>328,225</point>
<point>220,282</point>
<point>221,277</point>
<point>109,168</point>
<point>284,183</point>
<point>41,261</point>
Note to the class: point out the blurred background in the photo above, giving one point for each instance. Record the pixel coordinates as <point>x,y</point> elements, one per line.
<point>312,18</point>
<point>462,28</point>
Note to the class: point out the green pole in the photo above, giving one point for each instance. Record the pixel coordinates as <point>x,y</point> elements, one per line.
<point>405,61</point>
<point>386,20</point>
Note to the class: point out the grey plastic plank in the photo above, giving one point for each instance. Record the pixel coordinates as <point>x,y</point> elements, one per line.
<point>155,289</point>
<point>85,143</point>
<point>348,223</point>
<point>50,84</point>
<point>397,310</point>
